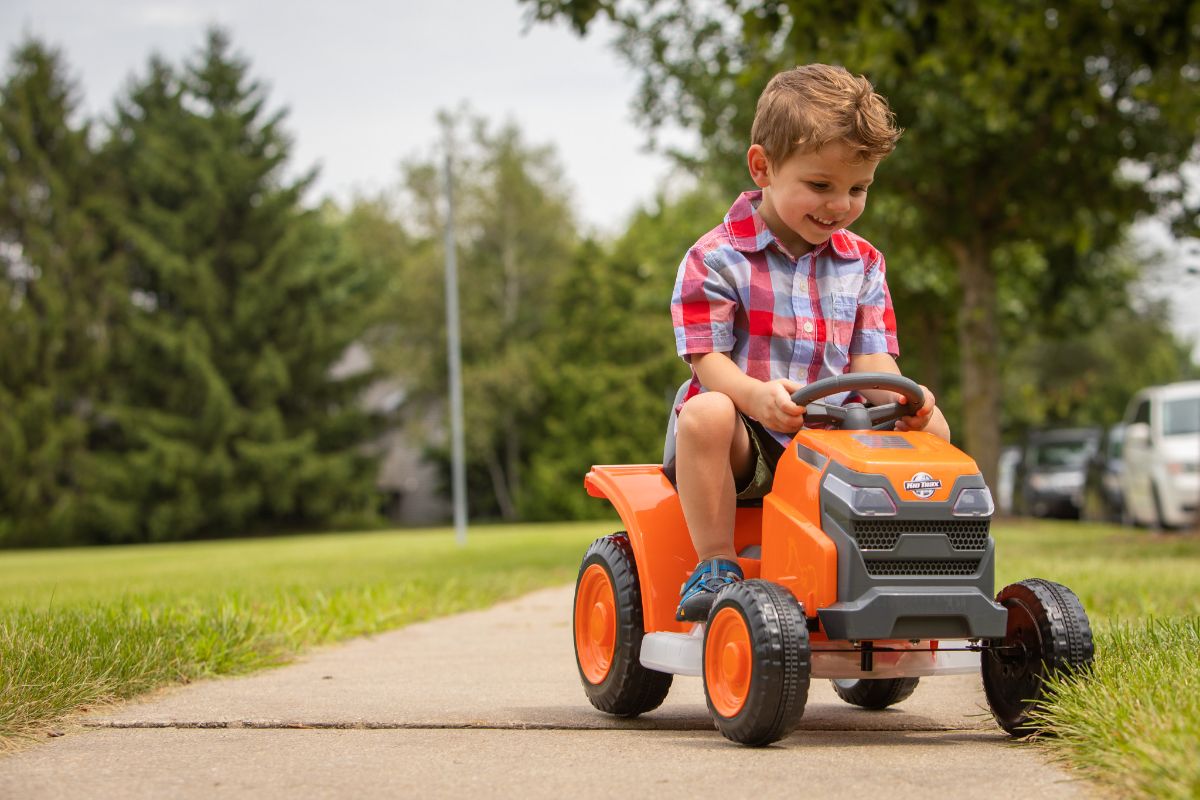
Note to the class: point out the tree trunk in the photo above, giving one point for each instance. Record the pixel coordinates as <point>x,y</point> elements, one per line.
<point>512,459</point>
<point>929,349</point>
<point>979,349</point>
<point>500,486</point>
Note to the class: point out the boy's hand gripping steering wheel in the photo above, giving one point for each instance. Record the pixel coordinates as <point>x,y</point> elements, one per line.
<point>856,416</point>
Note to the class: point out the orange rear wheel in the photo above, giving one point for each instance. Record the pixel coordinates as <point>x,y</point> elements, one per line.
<point>608,631</point>
<point>595,623</point>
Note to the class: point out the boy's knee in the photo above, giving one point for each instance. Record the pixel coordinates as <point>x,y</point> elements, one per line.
<point>707,415</point>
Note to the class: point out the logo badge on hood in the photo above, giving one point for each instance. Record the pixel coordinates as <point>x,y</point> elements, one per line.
<point>923,485</point>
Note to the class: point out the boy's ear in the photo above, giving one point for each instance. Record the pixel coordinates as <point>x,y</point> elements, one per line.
<point>759,165</point>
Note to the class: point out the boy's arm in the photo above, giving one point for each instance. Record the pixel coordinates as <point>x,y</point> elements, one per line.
<point>929,418</point>
<point>769,402</point>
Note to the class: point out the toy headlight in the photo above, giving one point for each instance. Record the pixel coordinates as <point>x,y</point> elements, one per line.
<point>865,501</point>
<point>974,503</point>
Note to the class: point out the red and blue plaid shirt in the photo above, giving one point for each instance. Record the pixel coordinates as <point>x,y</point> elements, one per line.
<point>740,292</point>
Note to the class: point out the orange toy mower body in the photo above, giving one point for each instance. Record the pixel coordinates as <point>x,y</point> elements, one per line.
<point>870,562</point>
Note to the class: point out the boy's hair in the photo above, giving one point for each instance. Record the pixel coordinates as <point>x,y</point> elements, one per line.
<point>808,107</point>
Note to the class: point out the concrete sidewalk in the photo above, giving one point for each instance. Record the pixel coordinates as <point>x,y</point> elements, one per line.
<point>489,703</point>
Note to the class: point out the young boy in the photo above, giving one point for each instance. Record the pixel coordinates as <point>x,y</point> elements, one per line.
<point>776,297</point>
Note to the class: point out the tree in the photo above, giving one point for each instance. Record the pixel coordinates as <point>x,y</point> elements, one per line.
<point>611,370</point>
<point>59,296</point>
<point>229,415</point>
<point>1027,125</point>
<point>515,235</point>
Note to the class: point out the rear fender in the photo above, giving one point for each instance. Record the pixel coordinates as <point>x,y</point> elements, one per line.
<point>649,508</point>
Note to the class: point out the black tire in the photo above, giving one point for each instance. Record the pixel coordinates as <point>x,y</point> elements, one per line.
<point>780,662</point>
<point>1048,634</point>
<point>628,688</point>
<point>875,693</point>
<point>1160,521</point>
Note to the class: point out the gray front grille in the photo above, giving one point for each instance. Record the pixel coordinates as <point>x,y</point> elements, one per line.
<point>883,534</point>
<point>923,567</point>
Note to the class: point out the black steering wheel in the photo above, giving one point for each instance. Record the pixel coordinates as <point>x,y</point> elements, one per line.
<point>856,416</point>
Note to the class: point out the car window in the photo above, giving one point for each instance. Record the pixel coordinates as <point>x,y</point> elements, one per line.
<point>1143,412</point>
<point>1062,454</point>
<point>1181,416</point>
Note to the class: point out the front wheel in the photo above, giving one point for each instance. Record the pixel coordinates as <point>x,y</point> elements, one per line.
<point>608,631</point>
<point>1048,634</point>
<point>875,693</point>
<point>756,662</point>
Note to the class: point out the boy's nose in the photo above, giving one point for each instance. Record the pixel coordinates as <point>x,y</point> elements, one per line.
<point>840,204</point>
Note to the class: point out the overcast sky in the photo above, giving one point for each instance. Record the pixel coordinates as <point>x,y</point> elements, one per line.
<point>363,80</point>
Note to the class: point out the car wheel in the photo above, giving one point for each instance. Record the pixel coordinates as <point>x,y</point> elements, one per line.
<point>1160,520</point>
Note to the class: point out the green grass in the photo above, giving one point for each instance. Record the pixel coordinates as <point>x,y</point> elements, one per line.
<point>82,626</point>
<point>1133,722</point>
<point>78,627</point>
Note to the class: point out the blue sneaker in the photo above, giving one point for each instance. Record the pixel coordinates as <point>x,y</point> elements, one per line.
<point>699,592</point>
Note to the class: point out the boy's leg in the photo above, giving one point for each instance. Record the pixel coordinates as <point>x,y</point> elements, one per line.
<point>712,451</point>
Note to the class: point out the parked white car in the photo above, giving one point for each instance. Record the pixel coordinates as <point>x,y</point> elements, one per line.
<point>1161,478</point>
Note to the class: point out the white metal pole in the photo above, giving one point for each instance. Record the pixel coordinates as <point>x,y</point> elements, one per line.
<point>458,476</point>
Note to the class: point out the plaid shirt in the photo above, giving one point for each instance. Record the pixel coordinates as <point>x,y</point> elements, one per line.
<point>740,292</point>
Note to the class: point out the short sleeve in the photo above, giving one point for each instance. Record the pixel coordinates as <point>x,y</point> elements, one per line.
<point>875,323</point>
<point>702,308</point>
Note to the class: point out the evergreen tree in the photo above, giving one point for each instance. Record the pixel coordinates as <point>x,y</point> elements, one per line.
<point>59,292</point>
<point>229,416</point>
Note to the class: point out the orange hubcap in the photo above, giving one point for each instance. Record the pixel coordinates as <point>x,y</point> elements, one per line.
<point>728,662</point>
<point>595,623</point>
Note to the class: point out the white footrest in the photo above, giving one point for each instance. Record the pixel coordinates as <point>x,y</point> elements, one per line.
<point>683,654</point>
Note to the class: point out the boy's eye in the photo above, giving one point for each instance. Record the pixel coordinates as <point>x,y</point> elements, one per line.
<point>818,186</point>
<point>859,190</point>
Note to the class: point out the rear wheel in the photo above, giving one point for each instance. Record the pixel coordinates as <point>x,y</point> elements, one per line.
<point>875,693</point>
<point>756,662</point>
<point>1048,634</point>
<point>608,630</point>
<point>1160,519</point>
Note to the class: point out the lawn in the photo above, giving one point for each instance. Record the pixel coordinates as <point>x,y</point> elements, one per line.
<point>81,626</point>
<point>85,625</point>
<point>1133,724</point>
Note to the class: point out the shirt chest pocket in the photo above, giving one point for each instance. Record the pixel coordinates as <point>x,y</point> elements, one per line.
<point>843,309</point>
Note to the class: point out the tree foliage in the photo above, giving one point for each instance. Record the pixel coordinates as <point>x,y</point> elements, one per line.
<point>227,416</point>
<point>170,316</point>
<point>1026,125</point>
<point>515,235</point>
<point>58,301</point>
<point>611,371</point>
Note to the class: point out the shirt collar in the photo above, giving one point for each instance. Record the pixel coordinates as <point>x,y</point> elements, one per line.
<point>749,233</point>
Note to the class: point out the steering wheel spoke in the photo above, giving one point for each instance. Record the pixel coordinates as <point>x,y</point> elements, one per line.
<point>823,414</point>
<point>885,412</point>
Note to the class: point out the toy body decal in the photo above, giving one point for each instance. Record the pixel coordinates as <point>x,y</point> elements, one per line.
<point>923,485</point>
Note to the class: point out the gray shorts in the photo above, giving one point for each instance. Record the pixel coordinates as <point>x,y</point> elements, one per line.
<point>766,456</point>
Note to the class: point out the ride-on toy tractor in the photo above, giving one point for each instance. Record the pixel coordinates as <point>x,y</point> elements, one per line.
<point>870,562</point>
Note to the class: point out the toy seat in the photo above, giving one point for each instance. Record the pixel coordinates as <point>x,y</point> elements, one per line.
<point>669,444</point>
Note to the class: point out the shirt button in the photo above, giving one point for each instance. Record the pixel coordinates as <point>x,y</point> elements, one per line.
<point>808,327</point>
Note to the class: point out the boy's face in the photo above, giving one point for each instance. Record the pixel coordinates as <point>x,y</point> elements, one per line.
<point>810,195</point>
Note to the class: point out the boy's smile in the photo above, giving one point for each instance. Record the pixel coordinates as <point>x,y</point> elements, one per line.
<point>811,195</point>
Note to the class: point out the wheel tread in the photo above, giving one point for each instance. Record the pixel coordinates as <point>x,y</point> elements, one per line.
<point>779,688</point>
<point>630,689</point>
<point>1066,646</point>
